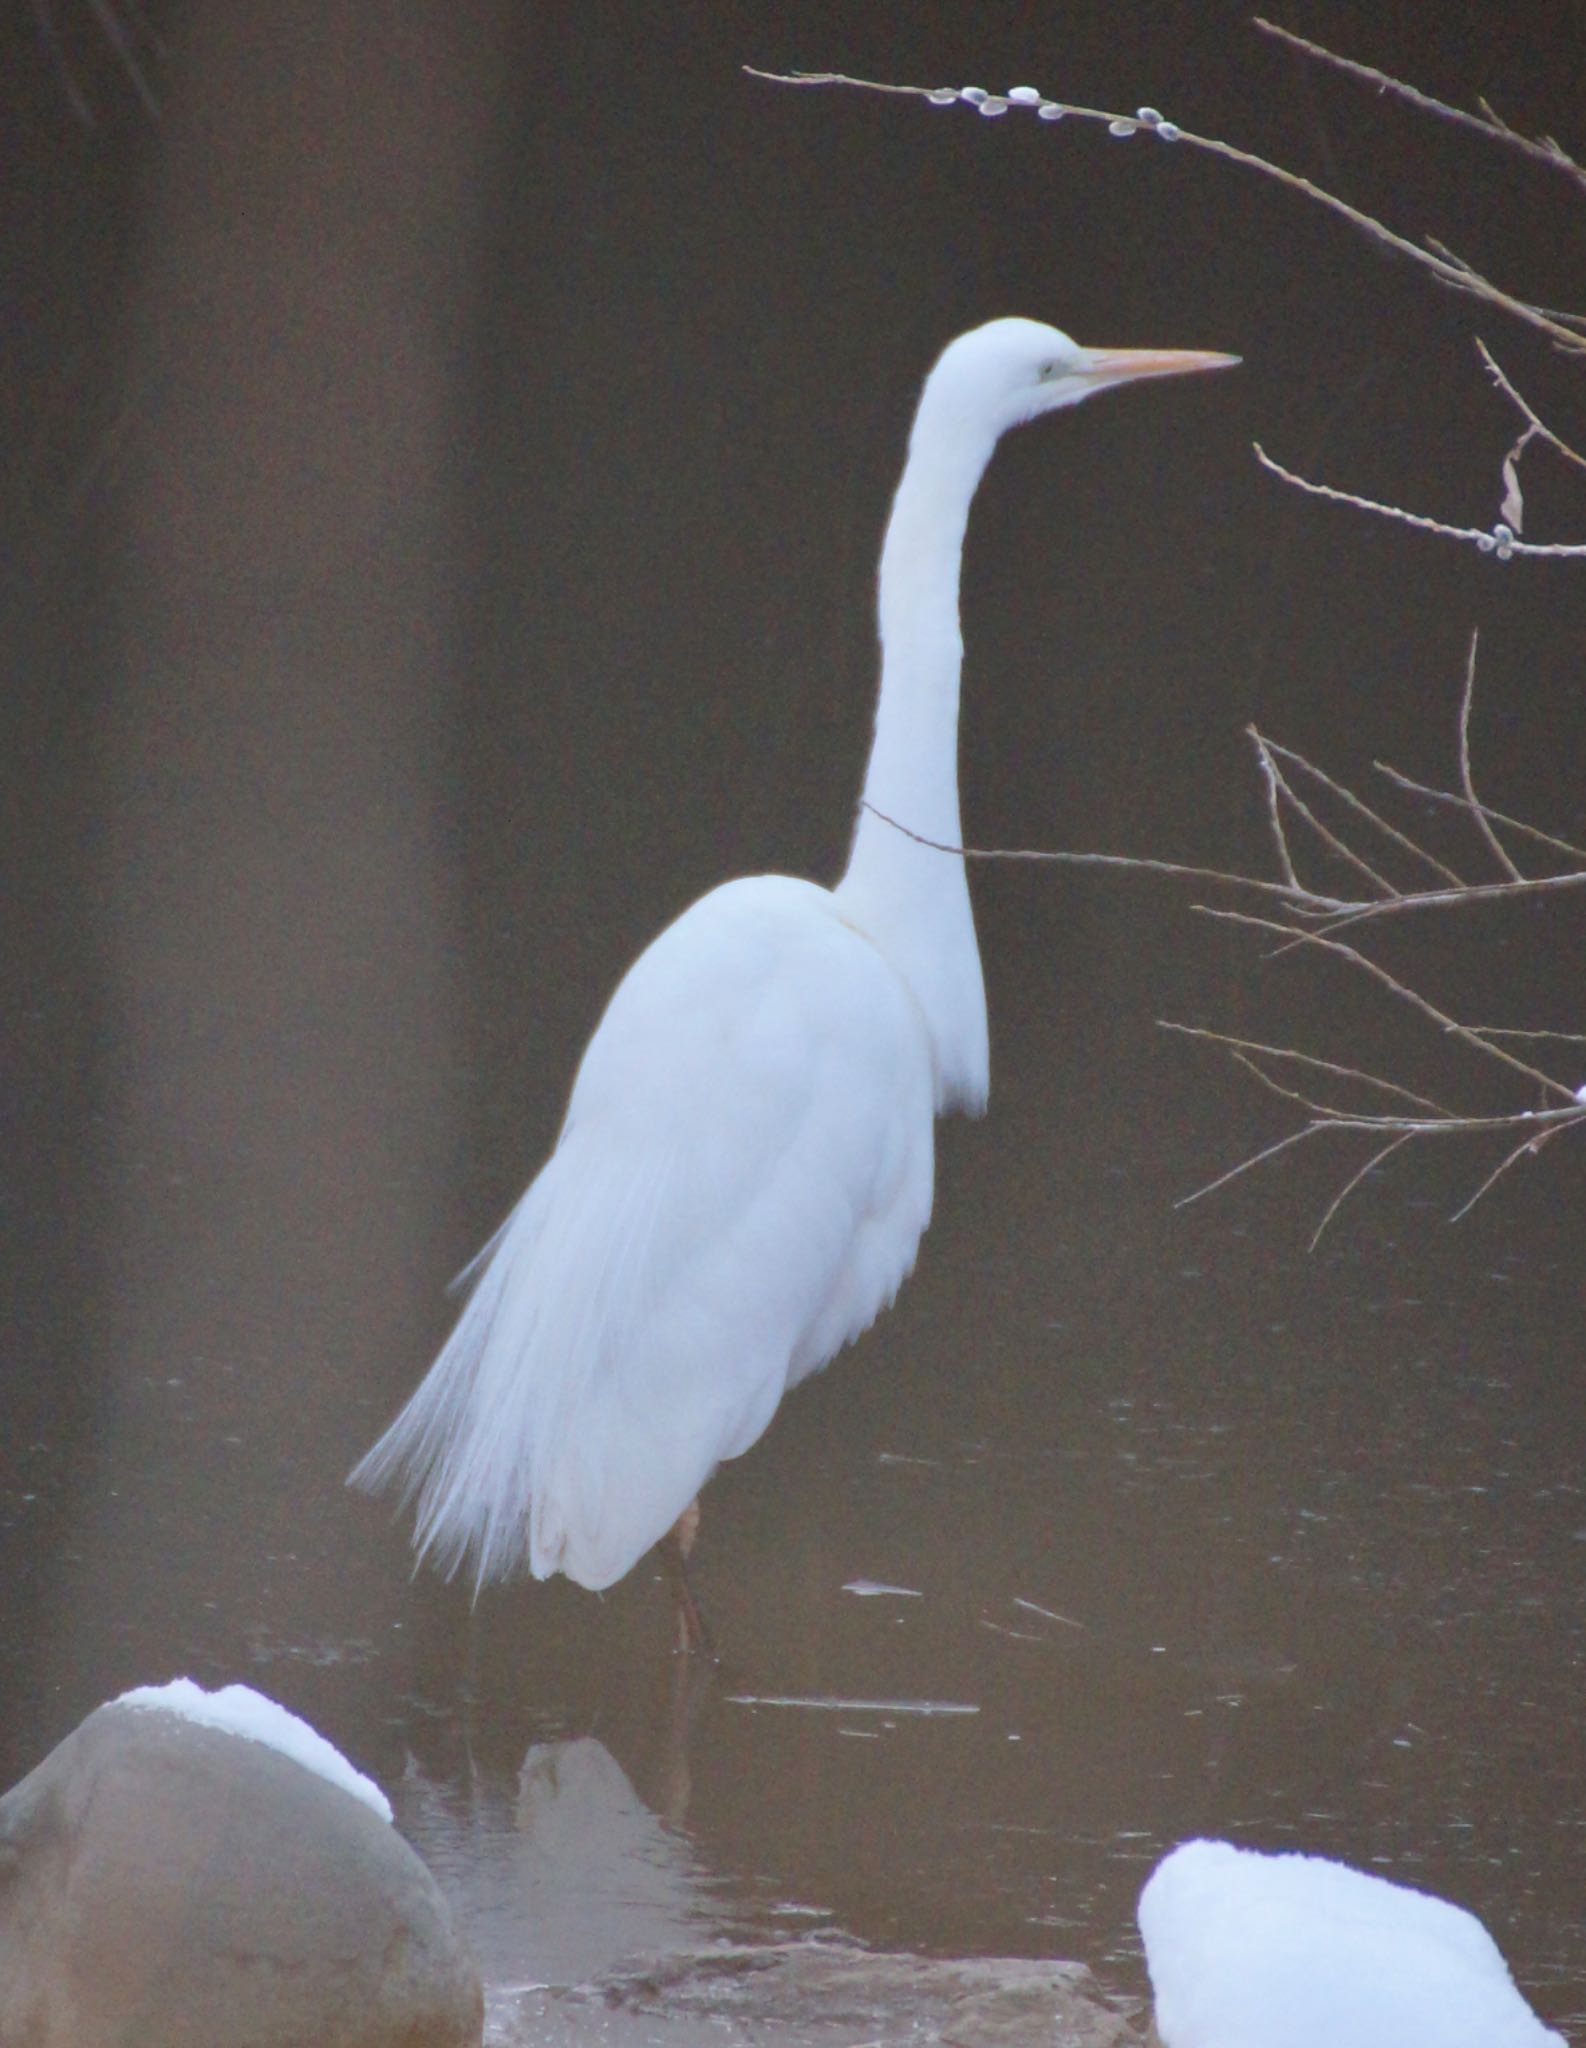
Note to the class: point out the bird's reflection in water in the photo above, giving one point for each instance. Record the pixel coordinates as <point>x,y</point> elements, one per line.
<point>669,1780</point>
<point>564,1872</point>
<point>602,1876</point>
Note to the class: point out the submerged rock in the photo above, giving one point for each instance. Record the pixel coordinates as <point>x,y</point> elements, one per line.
<point>171,1881</point>
<point>825,1994</point>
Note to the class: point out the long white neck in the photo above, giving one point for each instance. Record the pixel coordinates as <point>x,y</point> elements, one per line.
<point>911,900</point>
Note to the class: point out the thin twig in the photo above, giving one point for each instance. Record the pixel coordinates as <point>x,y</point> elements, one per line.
<point>1407,1129</point>
<point>1329,839</point>
<point>1332,1113</point>
<point>1440,1121</point>
<point>1538,425</point>
<point>1460,273</point>
<point>1479,815</point>
<point>1383,1152</point>
<point>1503,544</point>
<point>1292,893</point>
<point>1256,1159</point>
<point>1274,1086</point>
<point>1347,797</point>
<point>1303,901</point>
<point>1527,1129</point>
<point>1531,1145</point>
<point>1269,783</point>
<point>1518,1031</point>
<point>1309,1059</point>
<point>1406,994</point>
<point>1558,313</point>
<point>1490,1180</point>
<point>1486,123</point>
<point>1448,796</point>
<point>1329,922</point>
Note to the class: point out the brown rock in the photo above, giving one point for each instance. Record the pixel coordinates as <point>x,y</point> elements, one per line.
<point>169,1885</point>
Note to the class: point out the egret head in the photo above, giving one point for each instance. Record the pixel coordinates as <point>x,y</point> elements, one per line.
<point>1008,371</point>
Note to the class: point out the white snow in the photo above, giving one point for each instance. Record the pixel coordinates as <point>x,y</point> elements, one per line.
<point>239,1710</point>
<point>1254,1951</point>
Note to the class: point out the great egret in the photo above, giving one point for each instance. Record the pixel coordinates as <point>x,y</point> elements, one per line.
<point>745,1168</point>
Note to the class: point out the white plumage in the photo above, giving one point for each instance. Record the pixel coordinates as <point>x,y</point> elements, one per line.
<point>757,1205</point>
<point>1253,1951</point>
<point>745,1170</point>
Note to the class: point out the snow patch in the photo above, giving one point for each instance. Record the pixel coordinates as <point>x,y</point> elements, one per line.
<point>1291,1951</point>
<point>239,1710</point>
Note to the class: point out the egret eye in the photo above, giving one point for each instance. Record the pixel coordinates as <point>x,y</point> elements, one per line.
<point>1047,372</point>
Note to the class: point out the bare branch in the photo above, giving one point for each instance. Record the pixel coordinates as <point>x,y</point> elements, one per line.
<point>1383,1152</point>
<point>1447,796</point>
<point>1486,123</point>
<point>1516,1031</point>
<point>1463,276</point>
<point>1303,901</point>
<point>1527,1130</point>
<point>1445,264</point>
<point>1256,1159</point>
<point>1295,894</point>
<point>1448,269</point>
<point>1280,784</point>
<point>1482,822</point>
<point>1501,541</point>
<point>1511,1158</point>
<point>1396,987</point>
<point>1269,783</point>
<point>1539,1127</point>
<point>1527,412</point>
<point>1331,915</point>
<point>1308,1059</point>
<point>1347,797</point>
<point>1276,1087</point>
<point>1445,899</point>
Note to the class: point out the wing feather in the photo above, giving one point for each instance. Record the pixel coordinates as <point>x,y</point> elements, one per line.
<point>739,1187</point>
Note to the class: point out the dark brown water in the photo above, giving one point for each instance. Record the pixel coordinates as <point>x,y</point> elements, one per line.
<point>1188,1534</point>
<point>425,649</point>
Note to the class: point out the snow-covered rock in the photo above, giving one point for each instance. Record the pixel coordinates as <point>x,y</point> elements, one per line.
<point>239,1710</point>
<point>204,1871</point>
<point>1253,1951</point>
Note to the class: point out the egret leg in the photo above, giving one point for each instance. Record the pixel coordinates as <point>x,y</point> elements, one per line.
<point>694,1638</point>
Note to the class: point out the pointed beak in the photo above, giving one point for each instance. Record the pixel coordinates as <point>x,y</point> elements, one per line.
<point>1123,365</point>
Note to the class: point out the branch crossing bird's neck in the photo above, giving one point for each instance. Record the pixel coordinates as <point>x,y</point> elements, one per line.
<point>912,900</point>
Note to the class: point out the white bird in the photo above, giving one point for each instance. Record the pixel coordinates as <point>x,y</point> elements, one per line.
<point>1254,1951</point>
<point>745,1168</point>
